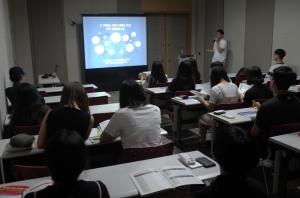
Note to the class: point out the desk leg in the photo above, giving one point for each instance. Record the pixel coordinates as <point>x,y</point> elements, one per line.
<point>2,171</point>
<point>177,116</point>
<point>213,133</point>
<point>277,171</point>
<point>284,166</point>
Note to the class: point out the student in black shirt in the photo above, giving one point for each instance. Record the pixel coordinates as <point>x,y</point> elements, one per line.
<point>283,108</point>
<point>183,81</point>
<point>66,157</point>
<point>259,90</point>
<point>17,76</point>
<point>28,109</point>
<point>73,113</point>
<point>195,71</point>
<point>237,154</point>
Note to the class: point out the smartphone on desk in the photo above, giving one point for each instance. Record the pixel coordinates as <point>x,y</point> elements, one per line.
<point>205,162</point>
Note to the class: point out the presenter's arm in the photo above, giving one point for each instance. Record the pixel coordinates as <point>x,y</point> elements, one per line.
<point>89,128</point>
<point>42,138</point>
<point>220,49</point>
<point>209,51</point>
<point>209,106</point>
<point>105,137</point>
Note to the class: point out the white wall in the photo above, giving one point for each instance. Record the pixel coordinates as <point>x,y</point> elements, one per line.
<point>6,56</point>
<point>21,34</point>
<point>234,33</point>
<point>73,35</point>
<point>287,30</point>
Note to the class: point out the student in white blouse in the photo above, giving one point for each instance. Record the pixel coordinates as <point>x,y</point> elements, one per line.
<point>137,124</point>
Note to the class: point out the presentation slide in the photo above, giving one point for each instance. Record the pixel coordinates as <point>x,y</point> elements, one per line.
<point>114,41</point>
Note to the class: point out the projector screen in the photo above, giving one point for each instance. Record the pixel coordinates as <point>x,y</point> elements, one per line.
<point>114,41</point>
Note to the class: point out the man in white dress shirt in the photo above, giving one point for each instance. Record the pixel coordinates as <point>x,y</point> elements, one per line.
<point>220,47</point>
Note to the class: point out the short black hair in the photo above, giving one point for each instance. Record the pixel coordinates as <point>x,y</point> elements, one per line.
<point>280,53</point>
<point>284,77</point>
<point>235,151</point>
<point>216,75</point>
<point>216,63</point>
<point>131,94</point>
<point>220,31</point>
<point>16,78</point>
<point>254,76</point>
<point>65,156</point>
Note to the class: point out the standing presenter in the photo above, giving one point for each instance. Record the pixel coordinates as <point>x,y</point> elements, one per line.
<point>220,48</point>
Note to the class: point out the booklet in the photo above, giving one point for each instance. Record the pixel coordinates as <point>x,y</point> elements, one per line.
<point>96,132</point>
<point>154,180</point>
<point>12,191</point>
<point>203,92</point>
<point>243,87</point>
<point>37,187</point>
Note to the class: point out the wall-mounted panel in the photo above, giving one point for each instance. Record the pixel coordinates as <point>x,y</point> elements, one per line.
<point>234,33</point>
<point>259,33</point>
<point>214,20</point>
<point>287,31</point>
<point>129,6</point>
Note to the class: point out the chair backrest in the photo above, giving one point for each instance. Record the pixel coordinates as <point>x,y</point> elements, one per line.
<point>100,117</point>
<point>98,100</point>
<point>30,130</point>
<point>198,81</point>
<point>229,106</point>
<point>30,172</point>
<point>239,79</point>
<point>261,101</point>
<point>89,89</point>
<point>43,93</point>
<point>281,130</point>
<point>159,85</point>
<point>137,154</point>
<point>186,92</point>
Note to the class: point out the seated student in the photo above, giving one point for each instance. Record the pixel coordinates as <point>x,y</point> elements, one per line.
<point>283,108</point>
<point>157,75</point>
<point>137,124</point>
<point>237,154</point>
<point>28,109</point>
<point>17,76</point>
<point>73,113</point>
<point>183,81</point>
<point>222,91</point>
<point>195,71</point>
<point>259,90</point>
<point>278,56</point>
<point>66,157</point>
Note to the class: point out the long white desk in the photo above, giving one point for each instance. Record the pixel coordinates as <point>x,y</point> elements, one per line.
<point>238,119</point>
<point>106,108</point>
<point>47,81</point>
<point>161,90</point>
<point>117,180</point>
<point>59,89</point>
<point>56,99</point>
<point>288,142</point>
<point>233,75</point>
<point>169,80</point>
<point>35,151</point>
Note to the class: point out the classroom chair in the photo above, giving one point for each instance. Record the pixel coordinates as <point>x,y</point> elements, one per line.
<point>277,130</point>
<point>198,81</point>
<point>30,172</point>
<point>30,130</point>
<point>89,89</point>
<point>230,106</point>
<point>138,154</point>
<point>159,85</point>
<point>98,100</point>
<point>100,117</point>
<point>239,79</point>
<point>43,93</point>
